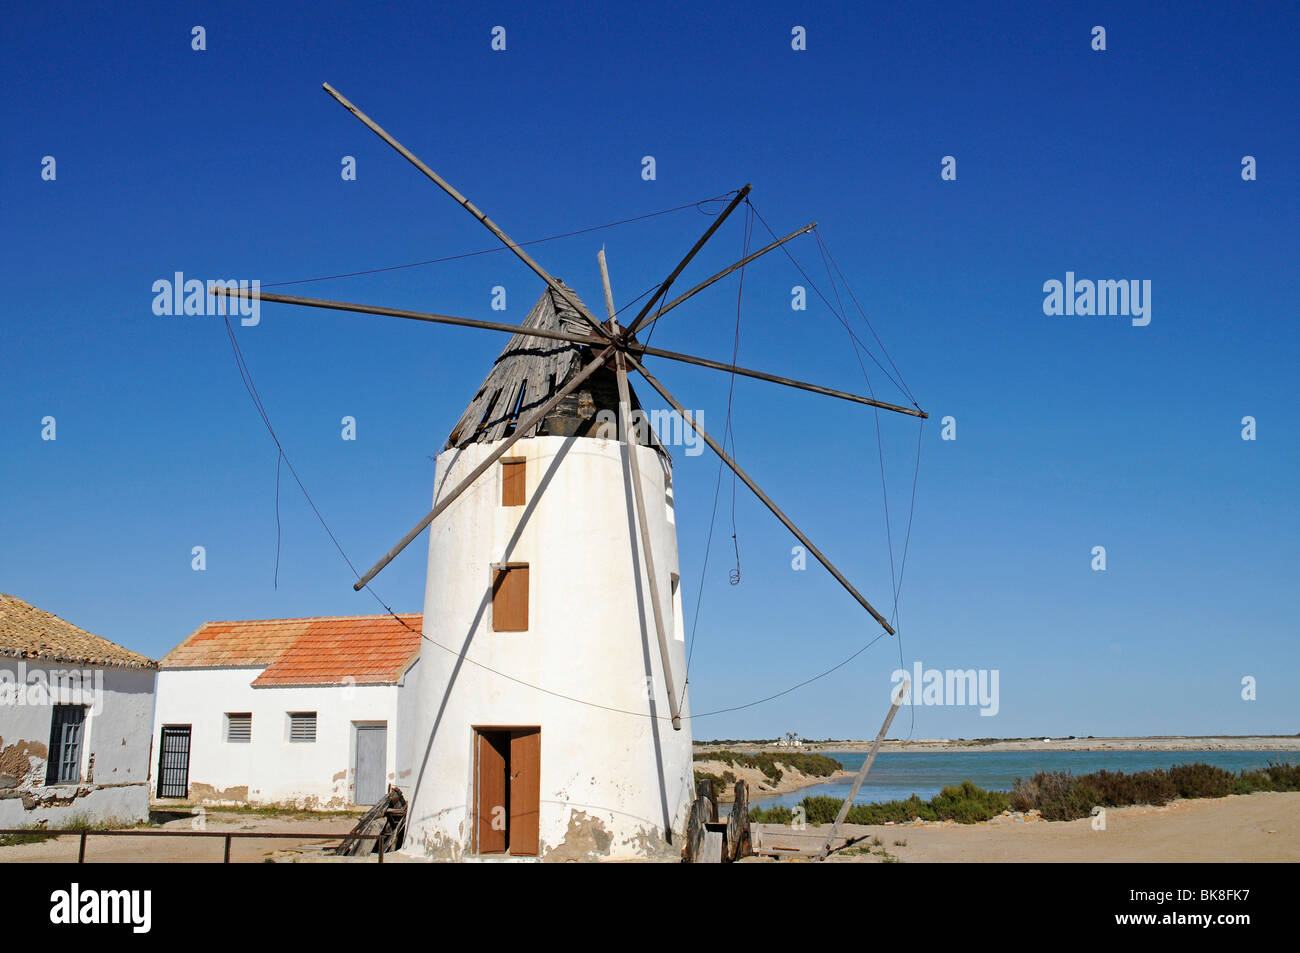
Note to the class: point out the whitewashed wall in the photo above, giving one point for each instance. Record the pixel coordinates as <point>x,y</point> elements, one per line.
<point>270,769</point>
<point>611,783</point>
<point>114,751</point>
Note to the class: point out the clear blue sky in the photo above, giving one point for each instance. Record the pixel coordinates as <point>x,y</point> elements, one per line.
<point>1073,432</point>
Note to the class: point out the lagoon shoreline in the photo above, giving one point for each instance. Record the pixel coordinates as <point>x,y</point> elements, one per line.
<point>1150,743</point>
<point>763,789</point>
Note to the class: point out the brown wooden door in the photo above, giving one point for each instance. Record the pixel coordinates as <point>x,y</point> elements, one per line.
<point>525,790</point>
<point>491,790</point>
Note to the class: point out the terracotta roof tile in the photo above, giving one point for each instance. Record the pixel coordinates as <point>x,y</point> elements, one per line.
<point>29,632</point>
<point>369,650</point>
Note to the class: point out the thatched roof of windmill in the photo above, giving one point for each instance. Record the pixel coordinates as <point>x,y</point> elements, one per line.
<point>531,369</point>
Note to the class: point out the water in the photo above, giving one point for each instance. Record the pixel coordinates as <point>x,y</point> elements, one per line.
<point>896,775</point>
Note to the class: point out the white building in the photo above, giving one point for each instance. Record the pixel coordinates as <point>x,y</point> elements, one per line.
<point>75,711</point>
<point>542,724</point>
<point>312,712</point>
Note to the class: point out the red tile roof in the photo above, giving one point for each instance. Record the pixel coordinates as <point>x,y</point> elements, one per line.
<point>361,650</point>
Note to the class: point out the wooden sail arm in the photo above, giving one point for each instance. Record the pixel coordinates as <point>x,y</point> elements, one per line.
<point>719,276</point>
<point>667,282</point>
<point>519,329</point>
<point>634,348</point>
<point>524,426</point>
<point>767,501</point>
<point>469,206</point>
<point>773,378</point>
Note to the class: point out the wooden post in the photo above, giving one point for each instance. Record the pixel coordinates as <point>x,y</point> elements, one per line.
<point>738,822</point>
<point>523,428</point>
<point>862,773</point>
<point>490,225</point>
<point>625,414</point>
<point>609,291</point>
<point>81,851</point>
<point>776,510</point>
<point>226,858</point>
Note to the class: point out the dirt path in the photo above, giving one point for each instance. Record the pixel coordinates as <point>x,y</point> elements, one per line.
<point>102,848</point>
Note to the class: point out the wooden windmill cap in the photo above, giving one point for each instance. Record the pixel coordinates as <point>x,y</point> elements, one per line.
<point>529,371</point>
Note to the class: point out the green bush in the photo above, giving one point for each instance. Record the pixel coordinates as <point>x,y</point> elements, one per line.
<point>1056,795</point>
<point>1278,776</point>
<point>968,804</point>
<point>1061,796</point>
<point>965,803</point>
<point>1115,788</point>
<point>721,783</point>
<point>1202,780</point>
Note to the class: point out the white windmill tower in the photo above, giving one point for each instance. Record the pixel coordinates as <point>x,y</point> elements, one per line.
<point>552,718</point>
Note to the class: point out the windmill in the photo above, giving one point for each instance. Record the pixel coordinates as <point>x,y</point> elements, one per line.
<point>552,716</point>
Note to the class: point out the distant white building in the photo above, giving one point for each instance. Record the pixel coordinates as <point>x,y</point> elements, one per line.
<point>75,711</point>
<point>312,712</point>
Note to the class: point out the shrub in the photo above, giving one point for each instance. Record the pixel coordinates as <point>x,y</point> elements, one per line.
<point>1057,795</point>
<point>1202,780</point>
<point>965,803</point>
<point>968,804</point>
<point>771,815</point>
<point>1115,788</point>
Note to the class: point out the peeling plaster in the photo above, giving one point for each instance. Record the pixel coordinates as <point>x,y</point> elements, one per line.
<point>207,794</point>
<point>586,839</point>
<point>21,763</point>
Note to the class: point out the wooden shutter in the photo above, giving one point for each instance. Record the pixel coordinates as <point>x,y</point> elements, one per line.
<point>512,482</point>
<point>525,790</point>
<point>510,599</point>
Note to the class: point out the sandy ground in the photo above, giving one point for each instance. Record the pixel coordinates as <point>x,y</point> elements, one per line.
<point>1241,828</point>
<point>183,850</point>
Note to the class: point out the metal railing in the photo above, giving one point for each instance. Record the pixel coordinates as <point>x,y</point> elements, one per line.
<point>228,835</point>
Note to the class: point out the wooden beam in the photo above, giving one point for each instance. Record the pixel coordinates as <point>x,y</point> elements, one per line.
<point>469,206</point>
<point>667,283</point>
<point>788,382</point>
<point>524,426</point>
<point>862,773</point>
<point>722,274</point>
<point>625,415</point>
<point>412,315</point>
<point>767,501</point>
<point>558,336</point>
<point>609,290</point>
